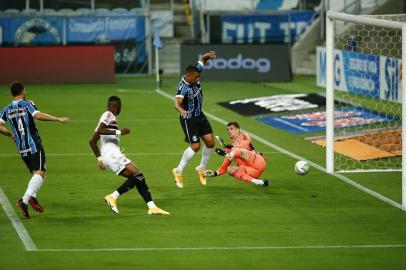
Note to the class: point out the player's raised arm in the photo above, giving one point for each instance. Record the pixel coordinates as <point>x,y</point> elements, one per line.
<point>46,117</point>
<point>207,56</point>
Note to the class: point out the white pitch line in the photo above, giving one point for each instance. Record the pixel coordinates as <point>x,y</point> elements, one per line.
<point>17,224</point>
<point>293,155</point>
<point>219,248</point>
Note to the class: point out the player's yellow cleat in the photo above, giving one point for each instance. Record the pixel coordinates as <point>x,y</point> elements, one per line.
<point>178,178</point>
<point>112,203</point>
<point>202,177</point>
<point>157,211</point>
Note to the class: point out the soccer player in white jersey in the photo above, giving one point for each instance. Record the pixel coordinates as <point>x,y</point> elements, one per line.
<point>111,157</point>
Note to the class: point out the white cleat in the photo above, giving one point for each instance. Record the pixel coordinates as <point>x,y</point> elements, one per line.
<point>112,203</point>
<point>157,211</point>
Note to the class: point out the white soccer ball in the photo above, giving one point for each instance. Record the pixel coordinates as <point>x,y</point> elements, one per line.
<point>302,167</point>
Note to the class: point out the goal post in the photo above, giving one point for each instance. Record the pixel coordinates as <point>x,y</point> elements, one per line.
<point>371,46</point>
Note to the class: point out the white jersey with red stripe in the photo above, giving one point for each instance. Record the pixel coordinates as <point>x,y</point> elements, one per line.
<point>108,142</point>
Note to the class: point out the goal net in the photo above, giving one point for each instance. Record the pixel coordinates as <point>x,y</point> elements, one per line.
<point>363,87</point>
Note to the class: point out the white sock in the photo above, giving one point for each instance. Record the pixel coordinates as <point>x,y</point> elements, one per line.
<point>258,182</point>
<point>33,187</point>
<point>35,193</point>
<point>151,204</point>
<point>187,156</point>
<point>206,153</point>
<point>115,195</point>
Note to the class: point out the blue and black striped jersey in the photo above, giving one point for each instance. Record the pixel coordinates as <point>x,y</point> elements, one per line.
<point>20,115</point>
<point>192,96</point>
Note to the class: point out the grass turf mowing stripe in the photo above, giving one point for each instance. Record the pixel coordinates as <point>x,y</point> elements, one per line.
<point>220,248</point>
<point>17,224</point>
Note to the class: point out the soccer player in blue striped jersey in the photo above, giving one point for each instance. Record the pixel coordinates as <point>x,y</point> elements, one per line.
<point>20,114</point>
<point>189,104</point>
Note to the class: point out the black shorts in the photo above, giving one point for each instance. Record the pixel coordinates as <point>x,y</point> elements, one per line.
<point>194,128</point>
<point>35,162</point>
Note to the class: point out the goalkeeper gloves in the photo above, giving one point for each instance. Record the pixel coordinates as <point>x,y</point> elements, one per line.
<point>223,153</point>
<point>210,173</point>
<point>220,152</point>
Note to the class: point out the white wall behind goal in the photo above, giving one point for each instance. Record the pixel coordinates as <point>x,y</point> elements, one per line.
<point>369,75</point>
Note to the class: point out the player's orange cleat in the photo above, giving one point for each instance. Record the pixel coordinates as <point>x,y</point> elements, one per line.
<point>35,204</point>
<point>23,208</point>
<point>202,176</point>
<point>157,211</point>
<point>112,203</point>
<point>178,178</point>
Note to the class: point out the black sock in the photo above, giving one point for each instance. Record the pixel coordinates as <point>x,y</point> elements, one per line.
<point>127,185</point>
<point>142,187</point>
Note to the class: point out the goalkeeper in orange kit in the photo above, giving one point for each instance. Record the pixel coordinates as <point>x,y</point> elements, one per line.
<point>250,164</point>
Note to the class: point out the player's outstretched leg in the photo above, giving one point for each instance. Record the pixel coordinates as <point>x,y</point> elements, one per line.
<point>143,189</point>
<point>243,173</point>
<point>111,199</point>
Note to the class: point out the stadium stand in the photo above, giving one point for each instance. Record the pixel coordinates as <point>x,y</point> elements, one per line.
<point>48,10</point>
<point>119,10</point>
<point>29,11</point>
<point>289,4</point>
<point>102,10</point>
<point>11,11</point>
<point>83,11</point>
<point>65,10</point>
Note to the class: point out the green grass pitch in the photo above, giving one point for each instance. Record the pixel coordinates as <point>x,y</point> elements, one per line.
<point>311,222</point>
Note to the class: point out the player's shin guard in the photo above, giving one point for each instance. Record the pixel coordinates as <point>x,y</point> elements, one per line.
<point>142,187</point>
<point>33,187</point>
<point>186,157</point>
<point>206,153</point>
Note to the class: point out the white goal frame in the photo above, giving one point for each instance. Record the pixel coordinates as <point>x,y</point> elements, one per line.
<point>330,34</point>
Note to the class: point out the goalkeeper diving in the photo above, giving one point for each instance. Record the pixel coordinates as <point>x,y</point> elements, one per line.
<point>250,164</point>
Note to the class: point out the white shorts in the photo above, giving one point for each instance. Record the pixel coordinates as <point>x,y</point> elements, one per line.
<point>115,160</point>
